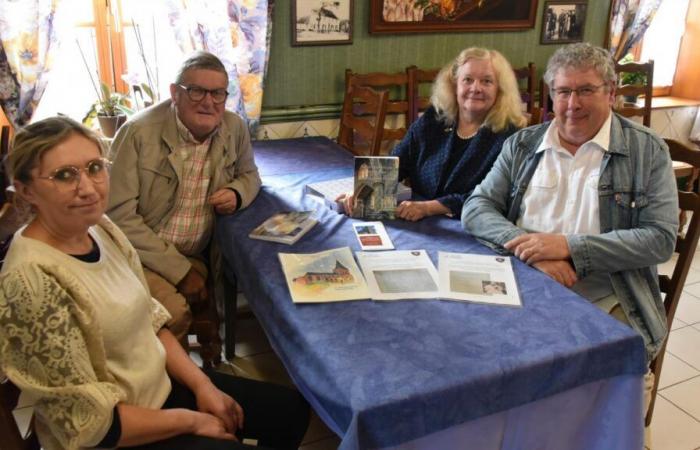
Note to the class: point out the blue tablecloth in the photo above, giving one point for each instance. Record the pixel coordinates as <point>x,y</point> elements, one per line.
<point>384,373</point>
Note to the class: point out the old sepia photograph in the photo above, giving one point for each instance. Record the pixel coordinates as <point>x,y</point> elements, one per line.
<point>563,22</point>
<point>321,22</point>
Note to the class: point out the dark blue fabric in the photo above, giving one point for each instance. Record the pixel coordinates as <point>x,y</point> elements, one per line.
<point>382,373</point>
<point>427,158</point>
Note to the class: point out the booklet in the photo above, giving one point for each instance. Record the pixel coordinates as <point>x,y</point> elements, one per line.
<point>328,276</point>
<point>372,236</point>
<point>376,186</point>
<point>285,227</point>
<point>329,190</point>
<point>399,274</point>
<point>478,278</point>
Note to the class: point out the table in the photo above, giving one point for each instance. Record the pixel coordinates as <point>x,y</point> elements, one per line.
<point>556,373</point>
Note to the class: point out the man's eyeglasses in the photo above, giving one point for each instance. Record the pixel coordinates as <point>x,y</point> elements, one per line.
<point>585,91</point>
<point>67,178</point>
<point>197,94</point>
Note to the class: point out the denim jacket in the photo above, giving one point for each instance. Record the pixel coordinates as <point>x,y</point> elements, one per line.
<point>638,206</point>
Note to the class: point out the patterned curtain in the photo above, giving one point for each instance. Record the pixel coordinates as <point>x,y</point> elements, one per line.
<point>628,22</point>
<point>28,31</point>
<point>238,32</point>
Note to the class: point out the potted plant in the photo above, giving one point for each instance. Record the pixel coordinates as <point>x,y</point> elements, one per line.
<point>626,78</point>
<point>111,109</point>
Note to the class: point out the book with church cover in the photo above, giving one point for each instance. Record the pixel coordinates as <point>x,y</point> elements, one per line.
<point>376,187</point>
<point>285,227</point>
<point>328,276</point>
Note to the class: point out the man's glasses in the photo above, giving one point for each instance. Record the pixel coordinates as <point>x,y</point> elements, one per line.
<point>564,94</point>
<point>197,94</point>
<point>67,178</point>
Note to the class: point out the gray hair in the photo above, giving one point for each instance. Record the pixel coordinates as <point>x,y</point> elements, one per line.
<point>581,56</point>
<point>200,60</point>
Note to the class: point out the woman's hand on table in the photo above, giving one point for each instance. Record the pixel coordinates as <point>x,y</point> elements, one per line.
<point>347,200</point>
<point>413,211</point>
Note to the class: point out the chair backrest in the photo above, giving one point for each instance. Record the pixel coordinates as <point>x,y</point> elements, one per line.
<point>4,150</point>
<point>12,438</point>
<point>418,103</point>
<point>628,108</point>
<point>363,114</point>
<point>526,79</point>
<point>545,112</point>
<point>396,85</point>
<point>685,247</point>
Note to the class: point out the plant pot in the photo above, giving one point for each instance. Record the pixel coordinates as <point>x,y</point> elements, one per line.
<point>110,124</point>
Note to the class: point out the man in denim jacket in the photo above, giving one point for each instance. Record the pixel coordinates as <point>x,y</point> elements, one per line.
<point>589,199</point>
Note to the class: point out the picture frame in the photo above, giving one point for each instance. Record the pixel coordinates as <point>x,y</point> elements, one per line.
<point>563,22</point>
<point>321,22</point>
<point>455,16</point>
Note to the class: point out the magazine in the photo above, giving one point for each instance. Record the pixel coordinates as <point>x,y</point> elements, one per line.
<point>372,236</point>
<point>375,187</point>
<point>399,274</point>
<point>330,190</point>
<point>328,276</point>
<point>478,278</point>
<point>285,227</point>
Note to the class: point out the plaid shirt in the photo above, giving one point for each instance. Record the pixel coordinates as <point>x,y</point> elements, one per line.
<point>190,226</point>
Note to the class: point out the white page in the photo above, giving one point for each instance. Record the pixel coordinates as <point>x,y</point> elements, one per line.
<point>372,236</point>
<point>399,274</point>
<point>478,278</point>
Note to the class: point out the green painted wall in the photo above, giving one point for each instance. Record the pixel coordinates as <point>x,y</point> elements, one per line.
<point>312,76</point>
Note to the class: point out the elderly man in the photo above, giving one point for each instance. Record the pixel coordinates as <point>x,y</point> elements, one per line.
<point>176,166</point>
<point>589,199</point>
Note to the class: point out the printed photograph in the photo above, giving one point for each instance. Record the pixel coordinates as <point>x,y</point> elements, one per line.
<point>371,240</point>
<point>404,280</point>
<point>563,22</point>
<point>321,22</point>
<point>468,282</point>
<point>365,229</point>
<point>494,288</point>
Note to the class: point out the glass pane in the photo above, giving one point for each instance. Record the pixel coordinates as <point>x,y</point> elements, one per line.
<point>662,40</point>
<point>70,89</point>
<point>80,11</point>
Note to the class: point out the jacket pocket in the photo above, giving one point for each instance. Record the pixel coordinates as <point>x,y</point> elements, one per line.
<point>627,206</point>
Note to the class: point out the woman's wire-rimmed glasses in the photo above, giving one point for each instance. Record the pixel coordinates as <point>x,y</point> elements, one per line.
<point>197,94</point>
<point>67,178</point>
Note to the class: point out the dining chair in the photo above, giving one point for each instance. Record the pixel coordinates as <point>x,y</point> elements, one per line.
<point>526,83</point>
<point>4,150</point>
<point>627,104</point>
<point>362,120</point>
<point>686,242</point>
<point>418,102</point>
<point>396,85</point>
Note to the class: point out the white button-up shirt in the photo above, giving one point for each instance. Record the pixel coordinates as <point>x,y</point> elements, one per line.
<point>562,196</point>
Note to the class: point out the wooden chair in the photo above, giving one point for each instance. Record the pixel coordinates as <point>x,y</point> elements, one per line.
<point>418,103</point>
<point>12,438</point>
<point>631,109</point>
<point>685,247</point>
<point>545,113</point>
<point>527,92</point>
<point>4,150</point>
<point>396,85</point>
<point>363,114</point>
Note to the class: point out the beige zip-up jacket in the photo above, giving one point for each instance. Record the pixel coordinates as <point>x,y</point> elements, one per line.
<point>145,180</point>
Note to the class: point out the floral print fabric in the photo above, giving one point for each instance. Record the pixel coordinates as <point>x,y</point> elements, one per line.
<point>628,22</point>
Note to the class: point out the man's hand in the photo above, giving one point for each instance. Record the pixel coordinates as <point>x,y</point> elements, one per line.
<point>412,210</point>
<point>224,201</point>
<point>560,270</point>
<point>193,287</point>
<point>221,405</point>
<point>348,202</point>
<point>534,247</point>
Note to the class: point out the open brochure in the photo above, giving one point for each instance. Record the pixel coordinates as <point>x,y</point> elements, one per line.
<point>399,274</point>
<point>330,190</point>
<point>328,276</point>
<point>285,227</point>
<point>372,236</point>
<point>478,278</point>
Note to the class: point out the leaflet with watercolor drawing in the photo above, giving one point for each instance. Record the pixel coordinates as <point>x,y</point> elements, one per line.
<point>399,274</point>
<point>328,276</point>
<point>478,278</point>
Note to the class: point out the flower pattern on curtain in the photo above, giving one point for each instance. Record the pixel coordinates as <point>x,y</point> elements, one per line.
<point>628,22</point>
<point>238,32</point>
<point>28,31</point>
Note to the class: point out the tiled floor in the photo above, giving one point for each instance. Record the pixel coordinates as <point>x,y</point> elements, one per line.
<point>676,424</point>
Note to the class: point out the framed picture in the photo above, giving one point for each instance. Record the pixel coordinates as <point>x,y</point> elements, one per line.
<point>563,22</point>
<point>427,16</point>
<point>321,22</point>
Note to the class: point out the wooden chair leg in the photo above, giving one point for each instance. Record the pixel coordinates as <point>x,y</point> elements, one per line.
<point>205,324</point>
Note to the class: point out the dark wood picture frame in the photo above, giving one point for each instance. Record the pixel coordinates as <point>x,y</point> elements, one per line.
<point>460,16</point>
<point>563,21</point>
<point>314,23</point>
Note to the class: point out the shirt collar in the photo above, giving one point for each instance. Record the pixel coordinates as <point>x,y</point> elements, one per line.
<point>601,139</point>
